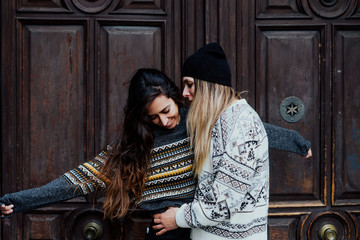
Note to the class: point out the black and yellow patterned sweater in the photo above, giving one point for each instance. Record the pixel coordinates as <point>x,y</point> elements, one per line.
<point>170,180</point>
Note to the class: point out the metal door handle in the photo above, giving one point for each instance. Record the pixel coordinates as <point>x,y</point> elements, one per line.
<point>328,232</point>
<point>92,230</point>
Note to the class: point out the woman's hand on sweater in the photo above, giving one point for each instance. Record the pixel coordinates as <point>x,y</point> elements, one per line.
<point>165,221</point>
<point>6,209</point>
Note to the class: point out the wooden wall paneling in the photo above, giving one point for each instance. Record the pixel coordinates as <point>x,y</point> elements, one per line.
<point>288,65</point>
<point>226,23</point>
<point>53,100</point>
<point>328,9</point>
<point>172,39</point>
<point>283,227</point>
<point>71,70</point>
<point>59,6</point>
<point>124,48</point>
<point>53,110</point>
<point>356,216</point>
<point>48,226</point>
<point>275,48</point>
<point>227,34</point>
<point>91,7</point>
<point>212,24</point>
<point>174,51</point>
<point>269,9</point>
<point>346,89</point>
<point>327,34</point>
<point>142,7</point>
<point>9,228</point>
<point>356,13</point>
<point>136,224</point>
<point>193,31</point>
<point>245,48</point>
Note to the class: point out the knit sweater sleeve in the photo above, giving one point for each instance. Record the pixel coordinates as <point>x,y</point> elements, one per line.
<point>286,139</point>
<point>77,182</point>
<point>55,191</point>
<point>236,173</point>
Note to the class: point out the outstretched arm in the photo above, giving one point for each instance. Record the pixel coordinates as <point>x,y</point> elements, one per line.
<point>74,183</point>
<point>56,191</point>
<point>287,140</point>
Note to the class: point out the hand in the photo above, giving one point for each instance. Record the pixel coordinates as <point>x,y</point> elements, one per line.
<point>165,221</point>
<point>5,210</point>
<point>309,154</point>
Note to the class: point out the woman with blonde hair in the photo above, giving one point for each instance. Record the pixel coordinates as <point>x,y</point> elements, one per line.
<point>231,156</point>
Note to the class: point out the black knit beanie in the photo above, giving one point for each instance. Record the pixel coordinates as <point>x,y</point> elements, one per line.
<point>209,64</point>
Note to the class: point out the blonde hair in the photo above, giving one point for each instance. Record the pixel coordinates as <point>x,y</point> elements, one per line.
<point>210,100</point>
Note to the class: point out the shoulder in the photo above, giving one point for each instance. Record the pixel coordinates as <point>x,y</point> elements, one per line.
<point>239,108</point>
<point>240,120</point>
<point>237,113</point>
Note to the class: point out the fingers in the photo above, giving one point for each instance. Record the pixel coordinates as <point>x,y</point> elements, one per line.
<point>157,220</point>
<point>158,226</point>
<point>161,232</point>
<point>6,209</point>
<point>309,154</point>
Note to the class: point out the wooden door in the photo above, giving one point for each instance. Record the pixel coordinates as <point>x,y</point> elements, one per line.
<point>305,52</point>
<point>65,64</point>
<point>63,68</point>
<point>310,50</point>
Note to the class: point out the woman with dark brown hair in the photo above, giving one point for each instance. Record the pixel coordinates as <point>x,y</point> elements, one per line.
<point>149,165</point>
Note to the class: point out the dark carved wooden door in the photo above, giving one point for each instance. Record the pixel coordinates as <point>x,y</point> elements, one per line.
<point>310,50</point>
<point>63,72</point>
<point>63,68</point>
<point>299,61</point>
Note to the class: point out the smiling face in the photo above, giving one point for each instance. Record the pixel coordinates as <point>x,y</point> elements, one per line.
<point>189,88</point>
<point>164,112</point>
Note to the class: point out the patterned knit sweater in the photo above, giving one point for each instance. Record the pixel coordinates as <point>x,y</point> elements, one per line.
<point>170,179</point>
<point>232,197</point>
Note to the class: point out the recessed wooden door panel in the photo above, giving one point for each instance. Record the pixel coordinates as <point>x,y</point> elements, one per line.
<point>346,115</point>
<point>279,9</point>
<point>51,125</point>
<point>283,227</point>
<point>42,6</point>
<point>133,6</point>
<point>136,47</point>
<point>43,227</point>
<point>283,54</point>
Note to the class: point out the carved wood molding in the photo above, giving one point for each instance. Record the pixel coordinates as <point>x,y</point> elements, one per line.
<point>140,6</point>
<point>92,6</point>
<point>42,6</point>
<point>267,9</point>
<point>341,221</point>
<point>280,9</point>
<point>329,8</point>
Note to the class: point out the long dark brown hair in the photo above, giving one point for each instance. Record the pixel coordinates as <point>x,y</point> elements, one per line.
<point>128,162</point>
